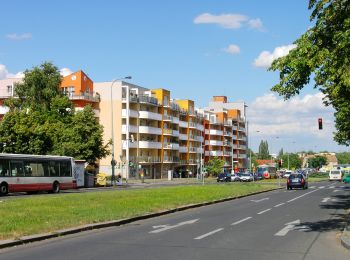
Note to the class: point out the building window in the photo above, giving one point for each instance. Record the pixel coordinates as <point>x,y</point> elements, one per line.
<point>9,89</point>
<point>69,91</point>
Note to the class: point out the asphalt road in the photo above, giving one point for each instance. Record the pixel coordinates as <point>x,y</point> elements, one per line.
<point>297,224</point>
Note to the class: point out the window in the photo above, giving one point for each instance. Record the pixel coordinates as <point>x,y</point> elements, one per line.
<point>65,169</point>
<point>9,89</point>
<point>4,168</point>
<point>17,168</point>
<point>54,168</point>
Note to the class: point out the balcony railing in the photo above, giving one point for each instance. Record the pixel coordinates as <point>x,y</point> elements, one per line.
<point>147,99</point>
<point>167,118</point>
<point>167,131</point>
<point>146,159</point>
<point>171,159</point>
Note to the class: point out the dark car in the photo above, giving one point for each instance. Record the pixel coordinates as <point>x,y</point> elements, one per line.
<point>297,180</point>
<point>224,177</point>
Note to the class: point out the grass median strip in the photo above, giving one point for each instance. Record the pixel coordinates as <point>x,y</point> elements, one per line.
<point>43,214</point>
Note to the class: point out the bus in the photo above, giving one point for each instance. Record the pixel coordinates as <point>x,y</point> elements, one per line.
<point>266,171</point>
<point>33,173</point>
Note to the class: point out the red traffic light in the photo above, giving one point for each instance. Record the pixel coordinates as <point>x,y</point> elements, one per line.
<point>320,124</point>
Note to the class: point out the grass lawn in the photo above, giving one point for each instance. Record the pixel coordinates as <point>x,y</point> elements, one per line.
<point>47,213</point>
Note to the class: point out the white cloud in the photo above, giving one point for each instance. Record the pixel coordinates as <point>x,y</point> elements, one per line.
<point>228,21</point>
<point>65,72</point>
<point>19,37</point>
<point>255,24</point>
<point>266,58</point>
<point>233,49</point>
<point>5,74</point>
<point>291,124</point>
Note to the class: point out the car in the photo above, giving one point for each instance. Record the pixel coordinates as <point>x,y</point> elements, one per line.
<point>346,178</point>
<point>335,175</point>
<point>297,180</point>
<point>235,177</point>
<point>287,173</point>
<point>224,177</point>
<point>258,176</point>
<point>246,177</point>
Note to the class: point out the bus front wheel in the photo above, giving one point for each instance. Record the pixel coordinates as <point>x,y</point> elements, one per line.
<point>4,189</point>
<point>56,187</point>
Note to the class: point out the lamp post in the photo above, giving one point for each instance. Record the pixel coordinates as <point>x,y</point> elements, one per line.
<point>113,159</point>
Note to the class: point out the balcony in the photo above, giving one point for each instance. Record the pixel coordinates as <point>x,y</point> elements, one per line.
<point>200,127</point>
<point>176,133</point>
<point>226,133</point>
<point>148,100</point>
<point>214,142</point>
<point>132,129</point>
<point>242,147</point>
<point>150,130</point>
<point>129,144</point>
<point>171,146</point>
<point>192,149</point>
<point>213,153</point>
<point>150,115</point>
<point>132,113</point>
<point>171,159</point>
<point>167,131</point>
<point>183,124</point>
<point>183,149</point>
<point>84,96</point>
<point>198,138</point>
<point>147,159</point>
<point>215,132</point>
<point>234,146</point>
<point>150,145</point>
<point>242,129</point>
<point>192,125</point>
<point>242,156</point>
<point>167,118</point>
<point>226,153</point>
<point>183,137</point>
<point>175,120</point>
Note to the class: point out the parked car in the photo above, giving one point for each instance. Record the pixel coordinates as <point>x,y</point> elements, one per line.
<point>258,176</point>
<point>287,173</point>
<point>297,180</point>
<point>246,177</point>
<point>224,177</point>
<point>235,177</point>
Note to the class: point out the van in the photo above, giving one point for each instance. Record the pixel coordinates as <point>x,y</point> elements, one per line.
<point>335,175</point>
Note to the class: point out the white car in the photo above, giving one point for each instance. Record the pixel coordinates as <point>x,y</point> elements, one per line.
<point>287,174</point>
<point>246,177</point>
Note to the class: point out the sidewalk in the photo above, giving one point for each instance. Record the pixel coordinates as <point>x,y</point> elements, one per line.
<point>345,238</point>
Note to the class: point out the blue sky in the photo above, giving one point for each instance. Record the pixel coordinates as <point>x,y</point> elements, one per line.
<point>180,45</point>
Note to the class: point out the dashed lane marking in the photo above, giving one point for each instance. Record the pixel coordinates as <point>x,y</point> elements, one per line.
<point>262,212</point>
<point>240,221</point>
<point>209,233</point>
<point>278,205</point>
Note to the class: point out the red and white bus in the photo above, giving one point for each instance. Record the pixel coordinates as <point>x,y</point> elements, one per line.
<point>32,173</point>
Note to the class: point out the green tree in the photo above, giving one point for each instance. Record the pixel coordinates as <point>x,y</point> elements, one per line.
<point>43,121</point>
<point>214,166</point>
<point>280,153</point>
<point>294,161</point>
<point>317,161</point>
<point>343,158</point>
<point>264,153</point>
<point>323,51</point>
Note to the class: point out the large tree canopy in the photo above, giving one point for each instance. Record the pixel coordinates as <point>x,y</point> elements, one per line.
<point>323,51</point>
<point>42,121</point>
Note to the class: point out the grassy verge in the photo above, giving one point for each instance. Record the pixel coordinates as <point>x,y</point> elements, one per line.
<point>42,214</point>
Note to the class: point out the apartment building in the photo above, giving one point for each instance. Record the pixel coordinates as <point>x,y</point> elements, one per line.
<point>6,91</point>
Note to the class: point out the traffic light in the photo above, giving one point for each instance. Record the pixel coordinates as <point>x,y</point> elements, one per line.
<point>320,124</point>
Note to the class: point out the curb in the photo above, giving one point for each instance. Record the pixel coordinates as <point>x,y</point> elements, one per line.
<point>344,240</point>
<point>69,231</point>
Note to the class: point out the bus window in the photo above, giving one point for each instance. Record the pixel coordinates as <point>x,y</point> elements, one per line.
<point>16,168</point>
<point>4,168</point>
<point>65,169</point>
<point>54,168</point>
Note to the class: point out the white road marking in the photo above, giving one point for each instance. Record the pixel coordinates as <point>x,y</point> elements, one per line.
<point>167,227</point>
<point>331,187</point>
<point>160,226</point>
<point>321,187</point>
<point>312,187</point>
<point>240,221</point>
<point>276,206</point>
<point>336,190</point>
<point>209,234</point>
<point>289,226</point>
<point>262,212</point>
<point>260,200</point>
<point>301,196</point>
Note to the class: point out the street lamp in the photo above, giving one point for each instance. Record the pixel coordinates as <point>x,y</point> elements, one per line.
<point>113,162</point>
